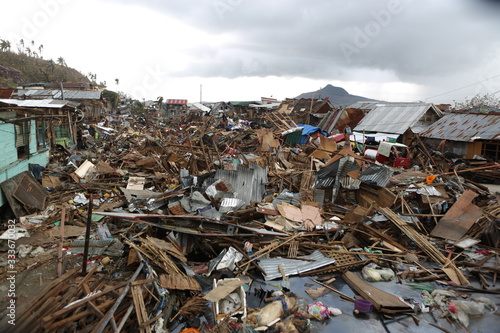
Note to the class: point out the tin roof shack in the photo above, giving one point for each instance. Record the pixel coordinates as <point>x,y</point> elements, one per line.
<point>306,110</point>
<point>364,106</point>
<point>176,107</point>
<point>242,109</point>
<point>405,119</point>
<point>197,111</point>
<point>6,92</point>
<point>55,119</point>
<point>219,108</point>
<point>467,134</point>
<point>56,85</point>
<point>91,100</point>
<point>257,112</point>
<point>10,73</point>
<point>25,127</point>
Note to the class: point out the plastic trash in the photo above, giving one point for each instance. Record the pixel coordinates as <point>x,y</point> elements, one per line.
<point>319,311</point>
<point>374,273</point>
<point>362,305</point>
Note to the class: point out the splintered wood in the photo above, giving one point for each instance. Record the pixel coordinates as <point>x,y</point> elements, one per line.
<point>193,307</point>
<point>425,245</point>
<point>156,254</point>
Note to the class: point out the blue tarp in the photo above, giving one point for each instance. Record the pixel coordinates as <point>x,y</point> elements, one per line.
<point>308,130</point>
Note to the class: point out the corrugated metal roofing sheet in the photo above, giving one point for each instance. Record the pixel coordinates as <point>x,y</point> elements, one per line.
<point>377,174</point>
<point>365,105</point>
<point>292,266</point>
<point>230,205</point>
<point>38,103</point>
<point>198,106</point>
<point>177,101</point>
<point>394,117</point>
<point>56,94</point>
<point>248,182</point>
<point>326,176</point>
<point>465,127</point>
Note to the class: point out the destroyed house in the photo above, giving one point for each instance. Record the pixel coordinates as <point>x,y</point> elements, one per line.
<point>466,135</point>
<point>56,119</point>
<point>242,108</point>
<point>366,107</point>
<point>306,110</point>
<point>10,73</point>
<point>91,100</point>
<point>403,119</point>
<point>339,120</point>
<point>27,127</point>
<point>175,107</point>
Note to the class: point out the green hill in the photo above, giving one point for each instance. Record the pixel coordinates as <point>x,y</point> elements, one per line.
<point>35,69</point>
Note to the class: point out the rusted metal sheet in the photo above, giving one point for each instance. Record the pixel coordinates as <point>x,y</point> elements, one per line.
<point>458,220</point>
<point>466,127</point>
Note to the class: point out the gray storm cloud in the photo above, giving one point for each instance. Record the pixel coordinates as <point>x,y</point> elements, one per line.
<point>324,39</point>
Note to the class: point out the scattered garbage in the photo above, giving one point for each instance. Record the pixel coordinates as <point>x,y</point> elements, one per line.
<point>200,224</point>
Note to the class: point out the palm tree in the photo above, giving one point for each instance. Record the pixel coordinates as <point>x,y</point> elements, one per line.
<point>117,81</point>
<point>29,51</point>
<point>40,48</point>
<point>3,45</point>
<point>159,101</point>
<point>61,61</point>
<point>20,47</point>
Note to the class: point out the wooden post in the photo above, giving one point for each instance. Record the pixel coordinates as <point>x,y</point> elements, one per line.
<point>87,236</point>
<point>61,233</point>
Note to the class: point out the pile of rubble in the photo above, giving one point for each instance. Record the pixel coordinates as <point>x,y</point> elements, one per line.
<point>191,227</point>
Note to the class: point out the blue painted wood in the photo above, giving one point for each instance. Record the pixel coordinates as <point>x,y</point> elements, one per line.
<point>10,165</point>
<point>33,143</point>
<point>8,151</point>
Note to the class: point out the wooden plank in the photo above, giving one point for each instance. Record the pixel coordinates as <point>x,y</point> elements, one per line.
<point>95,310</point>
<point>459,218</point>
<point>79,303</point>
<point>8,188</point>
<point>382,301</point>
<point>80,315</point>
<point>61,241</point>
<point>140,308</point>
<point>52,289</point>
<point>30,192</point>
<point>179,282</point>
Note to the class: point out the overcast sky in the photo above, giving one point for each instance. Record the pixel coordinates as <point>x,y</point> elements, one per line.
<point>393,50</point>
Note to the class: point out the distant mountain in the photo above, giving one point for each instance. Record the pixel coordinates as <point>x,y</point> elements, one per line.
<point>338,96</point>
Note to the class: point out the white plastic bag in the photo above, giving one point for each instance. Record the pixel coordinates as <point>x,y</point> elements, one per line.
<point>374,273</point>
